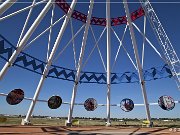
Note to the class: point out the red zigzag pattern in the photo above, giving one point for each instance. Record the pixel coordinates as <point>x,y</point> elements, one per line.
<point>96,20</point>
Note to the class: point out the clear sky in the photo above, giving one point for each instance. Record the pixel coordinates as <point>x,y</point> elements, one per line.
<point>16,77</point>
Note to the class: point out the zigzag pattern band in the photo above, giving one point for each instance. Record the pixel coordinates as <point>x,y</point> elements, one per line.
<point>33,64</point>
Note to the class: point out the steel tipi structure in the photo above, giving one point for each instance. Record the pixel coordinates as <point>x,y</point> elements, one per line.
<point>169,54</point>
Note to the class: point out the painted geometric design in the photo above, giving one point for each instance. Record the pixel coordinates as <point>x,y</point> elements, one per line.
<point>15,97</point>
<point>54,102</point>
<point>166,102</point>
<point>90,104</point>
<point>35,65</point>
<point>127,105</point>
<point>96,20</point>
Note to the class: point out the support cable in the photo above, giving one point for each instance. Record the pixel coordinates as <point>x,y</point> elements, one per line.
<point>148,41</point>
<point>68,103</point>
<point>27,45</point>
<point>120,41</point>
<point>26,22</point>
<point>96,44</point>
<point>99,51</point>
<point>68,43</point>
<point>74,49</point>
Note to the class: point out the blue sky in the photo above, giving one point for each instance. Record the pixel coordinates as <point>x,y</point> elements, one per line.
<point>28,81</point>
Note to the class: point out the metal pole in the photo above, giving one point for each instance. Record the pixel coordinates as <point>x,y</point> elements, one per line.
<point>49,62</point>
<point>108,26</point>
<point>25,38</point>
<point>88,21</point>
<point>6,5</point>
<point>139,66</point>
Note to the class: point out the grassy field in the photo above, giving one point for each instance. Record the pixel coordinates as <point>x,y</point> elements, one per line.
<point>87,122</point>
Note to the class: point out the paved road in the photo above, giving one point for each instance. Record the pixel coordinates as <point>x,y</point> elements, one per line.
<point>52,130</point>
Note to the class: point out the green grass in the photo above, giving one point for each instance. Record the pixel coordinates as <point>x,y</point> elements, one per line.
<point>87,122</point>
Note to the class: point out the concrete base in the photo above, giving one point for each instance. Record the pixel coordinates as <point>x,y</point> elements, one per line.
<point>68,124</point>
<point>151,124</point>
<point>108,124</point>
<point>24,122</point>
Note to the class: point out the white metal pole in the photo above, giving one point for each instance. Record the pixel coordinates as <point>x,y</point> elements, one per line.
<point>139,66</point>
<point>21,10</point>
<point>26,22</point>
<point>49,62</point>
<point>6,5</point>
<point>88,21</point>
<point>25,38</point>
<point>108,26</point>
